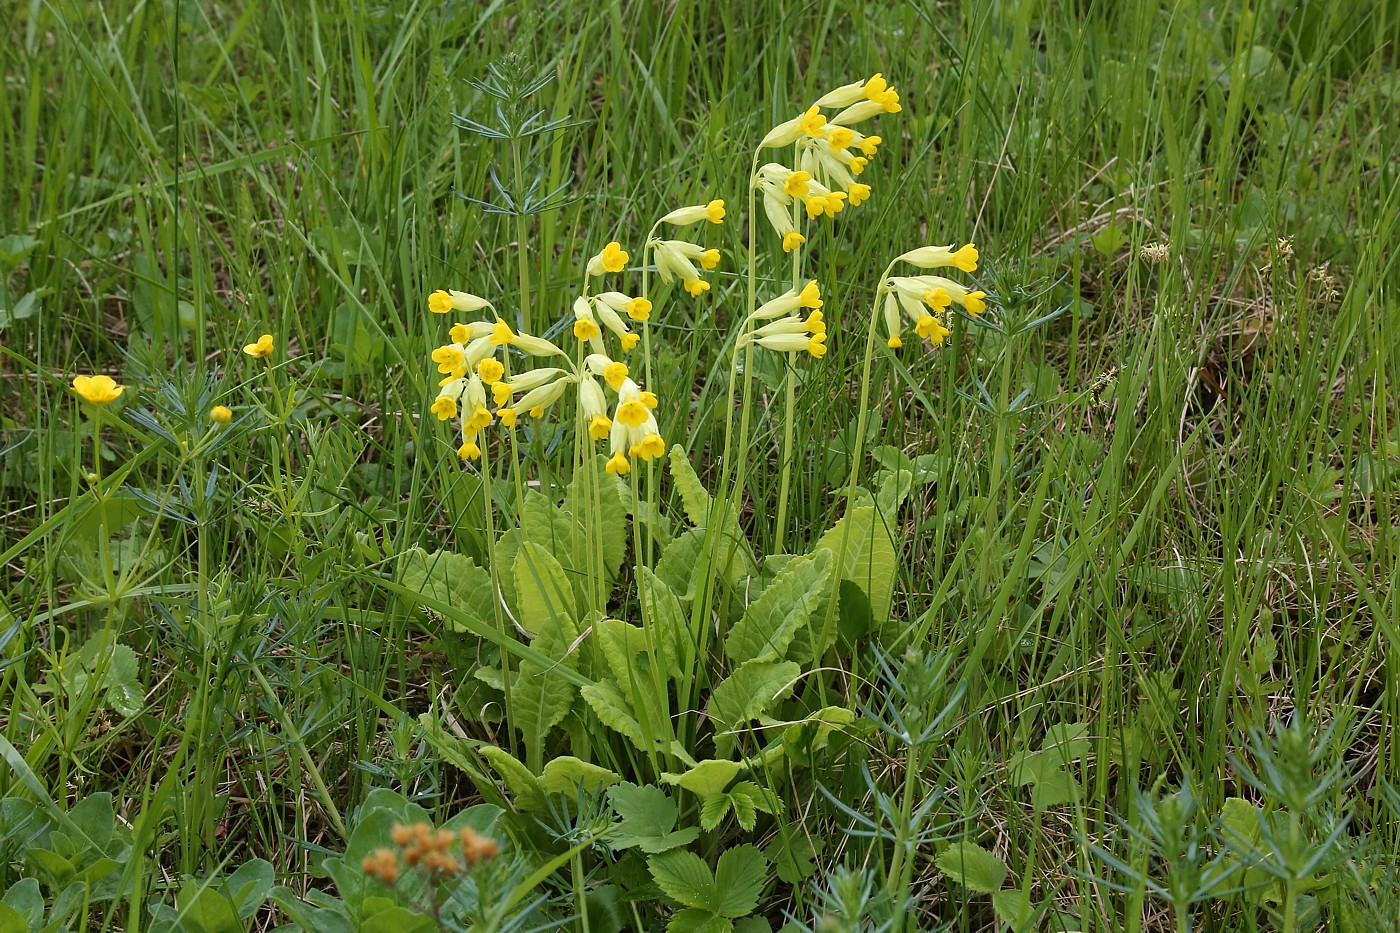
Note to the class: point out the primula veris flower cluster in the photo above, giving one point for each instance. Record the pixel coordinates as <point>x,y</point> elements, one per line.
<point>785,328</point>
<point>829,154</point>
<point>678,259</point>
<point>926,299</point>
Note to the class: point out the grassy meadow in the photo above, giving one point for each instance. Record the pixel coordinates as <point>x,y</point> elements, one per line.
<point>1081,617</point>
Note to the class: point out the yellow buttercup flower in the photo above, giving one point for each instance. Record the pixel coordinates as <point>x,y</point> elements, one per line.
<point>260,350</point>
<point>99,390</point>
<point>220,414</point>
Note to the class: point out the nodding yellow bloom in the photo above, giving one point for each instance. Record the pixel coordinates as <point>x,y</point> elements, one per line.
<point>629,342</point>
<point>933,257</point>
<point>593,404</point>
<point>599,427</point>
<point>892,321</point>
<point>709,259</point>
<point>808,296</point>
<point>613,258</point>
<point>535,346</point>
<point>811,295</point>
<point>260,350</point>
<point>99,390</point>
<point>501,334</point>
<point>848,94</point>
<point>858,164</point>
<point>537,412</point>
<point>526,383</point>
<point>869,145</point>
<point>606,306</point>
<point>817,345</point>
<point>586,329</point>
<point>811,123</point>
<point>859,193</point>
<point>451,359</point>
<point>618,465</point>
<point>220,415</point>
<point>931,329</point>
<point>491,370</point>
<point>443,301</point>
<point>506,416</point>
<point>538,399</point>
<point>675,259</point>
<point>445,407</point>
<point>614,373</point>
<point>780,219</point>
<point>474,402</point>
<point>776,179</point>
<point>633,413</point>
<point>650,447</point>
<point>791,240</point>
<point>795,186</point>
<point>639,309</point>
<point>466,333</point>
<point>684,216</point>
<point>648,399</point>
<point>697,287</point>
<point>894,343</point>
<point>469,450</point>
<point>816,323</point>
<point>939,292</point>
<point>791,335</point>
<point>840,137</point>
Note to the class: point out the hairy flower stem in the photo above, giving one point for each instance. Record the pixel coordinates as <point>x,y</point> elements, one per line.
<point>789,405</point>
<point>857,453</point>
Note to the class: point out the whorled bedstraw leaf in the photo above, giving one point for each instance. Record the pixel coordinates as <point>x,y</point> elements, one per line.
<point>972,866</point>
<point>865,555</point>
<point>450,578</point>
<point>786,604</point>
<point>745,695</point>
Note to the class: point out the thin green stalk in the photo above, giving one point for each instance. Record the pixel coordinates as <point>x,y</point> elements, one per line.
<point>322,791</point>
<point>789,412</point>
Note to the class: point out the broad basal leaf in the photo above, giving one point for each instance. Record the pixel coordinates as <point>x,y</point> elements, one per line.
<point>865,554</point>
<point>972,866</point>
<point>707,777</point>
<point>450,578</point>
<point>566,774</point>
<point>523,786</point>
<point>768,624</point>
<point>746,694</point>
<point>683,876</point>
<point>544,600</point>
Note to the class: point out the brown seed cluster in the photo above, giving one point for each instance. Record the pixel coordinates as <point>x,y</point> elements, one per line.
<point>429,850</point>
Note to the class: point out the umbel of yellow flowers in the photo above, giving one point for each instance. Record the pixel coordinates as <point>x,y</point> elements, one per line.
<point>99,390</point>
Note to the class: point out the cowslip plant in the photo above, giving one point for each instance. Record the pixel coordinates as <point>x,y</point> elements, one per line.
<point>679,662</point>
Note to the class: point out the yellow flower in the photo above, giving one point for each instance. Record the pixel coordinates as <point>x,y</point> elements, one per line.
<point>836,201</point>
<point>858,164</point>
<point>451,359</point>
<point>501,333</point>
<point>537,412</point>
<point>813,123</point>
<point>618,465</point>
<point>613,258</point>
<point>796,184</point>
<point>97,389</point>
<point>932,257</point>
<point>840,137</point>
<point>599,427</point>
<point>445,407</point>
<point>811,295</point>
<point>633,413</point>
<point>439,302</point>
<point>586,329</point>
<point>220,415</point>
<point>260,350</point>
<point>629,342</point>
<point>816,323</point>
<point>639,309</point>
<point>614,373</point>
<point>684,216</point>
<point>931,329</point>
<point>491,370</point>
<point>469,450</point>
<point>501,392</point>
<point>791,240</point>
<point>466,333</point>
<point>697,287</point>
<point>506,416</point>
<point>817,345</point>
<point>859,193</point>
<point>894,343</point>
<point>709,259</point>
<point>651,446</point>
<point>870,145</point>
<point>648,399</point>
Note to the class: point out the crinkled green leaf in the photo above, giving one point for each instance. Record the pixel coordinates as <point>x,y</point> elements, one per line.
<point>565,774</point>
<point>524,787</point>
<point>865,554</point>
<point>615,711</point>
<point>450,578</point>
<point>544,600</point>
<point>786,604</point>
<point>666,618</point>
<point>746,694</point>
